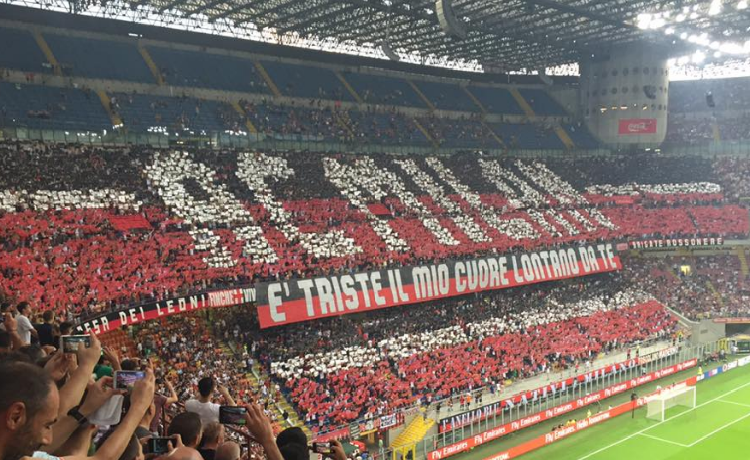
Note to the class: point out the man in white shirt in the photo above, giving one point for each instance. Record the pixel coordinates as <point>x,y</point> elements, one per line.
<point>203,406</point>
<point>25,328</point>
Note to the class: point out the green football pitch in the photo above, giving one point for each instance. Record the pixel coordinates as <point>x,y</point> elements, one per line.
<point>719,427</point>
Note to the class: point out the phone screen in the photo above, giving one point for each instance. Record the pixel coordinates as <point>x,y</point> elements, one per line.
<point>232,415</point>
<point>126,379</point>
<point>158,445</point>
<point>70,343</point>
<point>321,447</point>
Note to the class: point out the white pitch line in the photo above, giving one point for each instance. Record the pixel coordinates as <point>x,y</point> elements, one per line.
<point>663,440</point>
<point>659,423</point>
<point>735,403</point>
<point>719,429</point>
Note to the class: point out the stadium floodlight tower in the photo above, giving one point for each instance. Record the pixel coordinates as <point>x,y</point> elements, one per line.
<point>658,405</point>
<point>624,92</point>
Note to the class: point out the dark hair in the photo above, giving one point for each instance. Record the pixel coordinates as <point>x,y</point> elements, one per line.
<point>293,435</point>
<point>15,356</point>
<point>34,352</point>
<point>131,450</point>
<point>5,306</point>
<point>188,426</point>
<point>66,328</point>
<point>206,386</point>
<point>22,306</point>
<point>5,341</point>
<point>48,316</point>
<point>211,432</point>
<point>295,451</point>
<point>25,383</point>
<point>129,365</point>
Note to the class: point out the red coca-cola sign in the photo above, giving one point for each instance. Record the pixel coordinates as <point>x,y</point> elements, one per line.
<point>637,126</point>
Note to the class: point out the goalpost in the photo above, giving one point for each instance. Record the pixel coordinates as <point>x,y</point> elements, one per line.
<point>668,398</point>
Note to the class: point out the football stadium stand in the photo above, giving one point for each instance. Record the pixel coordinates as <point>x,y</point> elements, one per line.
<point>411,260</point>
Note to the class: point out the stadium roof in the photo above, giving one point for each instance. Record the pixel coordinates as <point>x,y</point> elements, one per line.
<point>504,34</point>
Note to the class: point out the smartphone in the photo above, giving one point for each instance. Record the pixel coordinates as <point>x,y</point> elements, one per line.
<point>159,445</point>
<point>125,380</point>
<point>232,415</point>
<point>70,343</point>
<point>323,448</point>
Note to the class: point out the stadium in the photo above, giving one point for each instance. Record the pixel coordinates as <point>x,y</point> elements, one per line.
<point>374,229</point>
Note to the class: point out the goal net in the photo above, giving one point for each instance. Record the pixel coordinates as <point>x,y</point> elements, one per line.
<point>668,398</point>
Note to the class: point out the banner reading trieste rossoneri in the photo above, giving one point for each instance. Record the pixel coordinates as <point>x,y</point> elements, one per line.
<point>296,300</point>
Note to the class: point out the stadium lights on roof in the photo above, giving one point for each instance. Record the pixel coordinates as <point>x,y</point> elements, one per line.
<point>742,5</point>
<point>714,8</point>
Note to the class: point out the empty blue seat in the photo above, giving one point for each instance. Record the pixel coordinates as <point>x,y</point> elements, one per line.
<point>307,81</point>
<point>527,136</point>
<point>175,114</point>
<point>43,107</point>
<point>108,59</point>
<point>21,52</point>
<point>447,96</point>
<point>379,89</point>
<point>207,70</point>
<point>541,102</point>
<point>581,136</point>
<point>496,100</point>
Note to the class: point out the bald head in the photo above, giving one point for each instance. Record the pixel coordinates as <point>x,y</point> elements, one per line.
<point>228,451</point>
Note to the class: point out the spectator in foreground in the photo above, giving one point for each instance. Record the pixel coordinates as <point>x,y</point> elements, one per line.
<point>213,437</point>
<point>228,451</point>
<point>203,406</point>
<point>29,401</point>
<point>25,328</point>
<point>188,426</point>
<point>46,330</point>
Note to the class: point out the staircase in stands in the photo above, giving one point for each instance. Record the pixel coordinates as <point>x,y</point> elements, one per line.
<point>412,434</point>
<point>743,261</point>
<point>716,294</point>
<point>257,376</point>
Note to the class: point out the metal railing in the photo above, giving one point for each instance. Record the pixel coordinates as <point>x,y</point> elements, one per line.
<point>438,440</point>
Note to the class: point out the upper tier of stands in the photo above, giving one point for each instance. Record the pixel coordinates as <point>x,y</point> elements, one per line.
<point>727,94</point>
<point>447,96</point>
<point>175,114</point>
<point>496,100</point>
<point>24,54</point>
<point>44,107</point>
<point>306,81</point>
<point>207,70</point>
<point>120,59</point>
<point>693,121</point>
<point>106,59</point>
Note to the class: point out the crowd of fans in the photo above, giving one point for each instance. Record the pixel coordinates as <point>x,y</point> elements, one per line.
<point>338,370</point>
<point>73,404</point>
<point>684,131</point>
<point>85,229</point>
<point>419,354</point>
<point>535,334</point>
<point>702,287</point>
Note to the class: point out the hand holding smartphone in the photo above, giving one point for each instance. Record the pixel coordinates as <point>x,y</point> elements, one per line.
<point>323,448</point>
<point>124,380</point>
<point>232,415</point>
<point>159,445</point>
<point>70,343</point>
